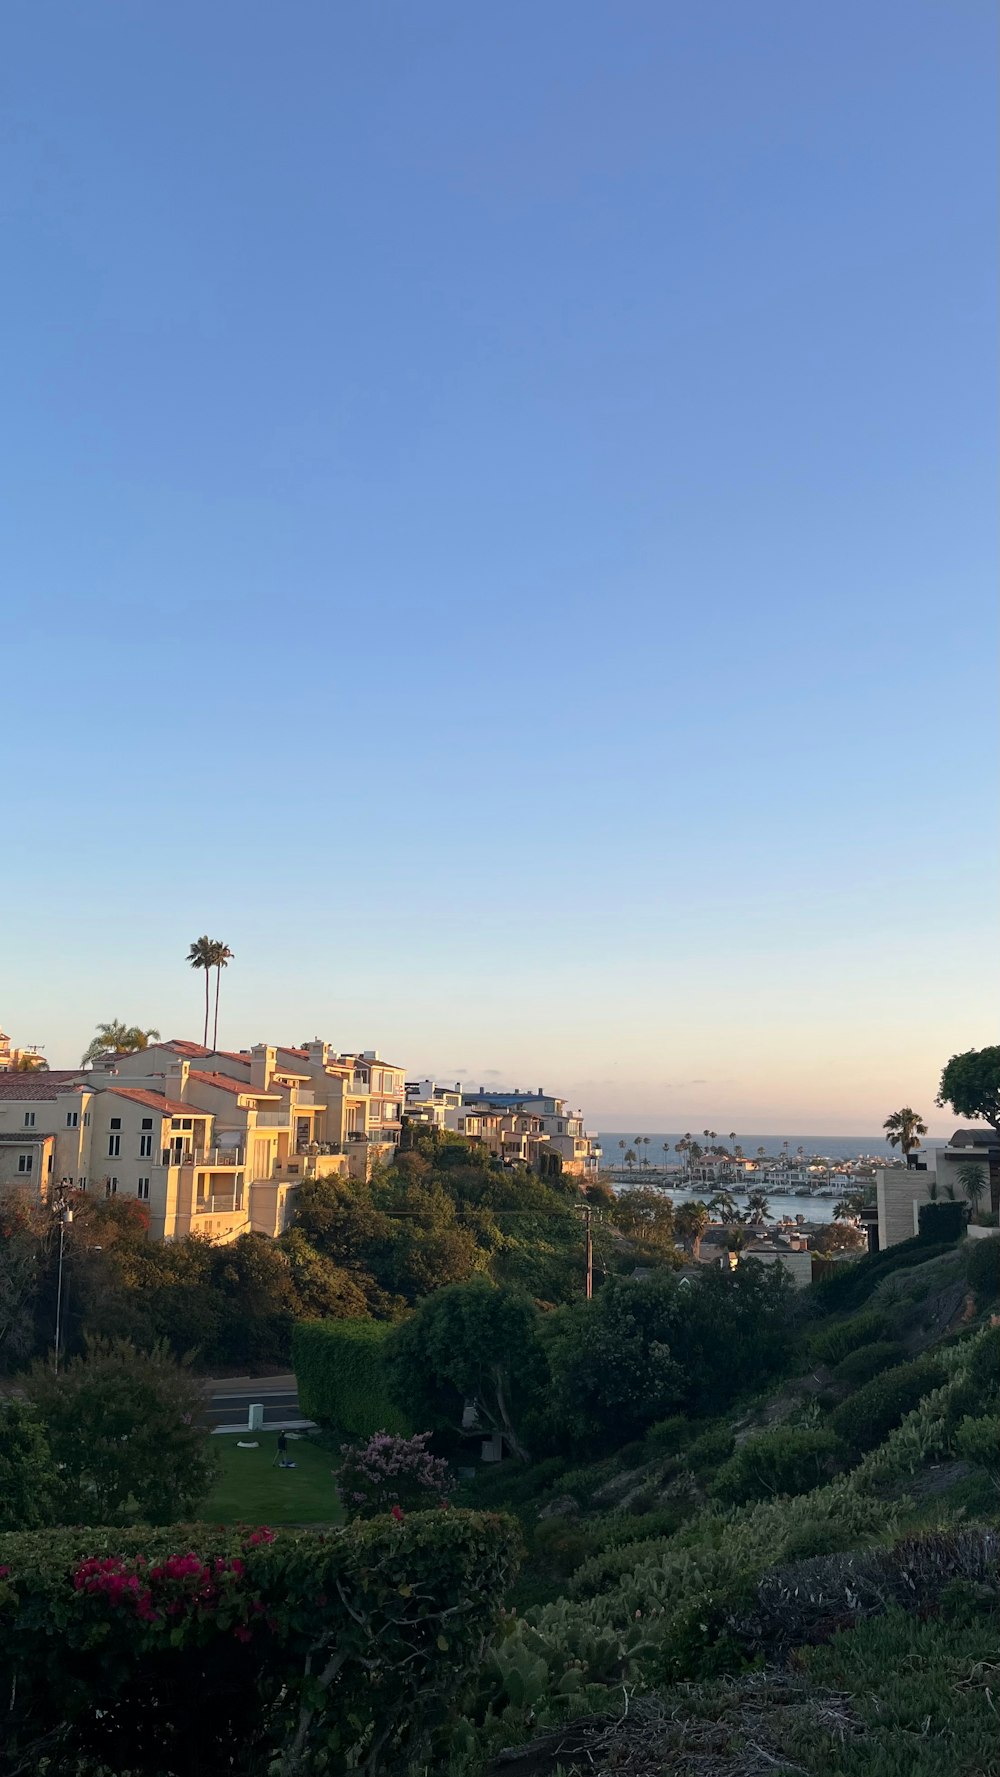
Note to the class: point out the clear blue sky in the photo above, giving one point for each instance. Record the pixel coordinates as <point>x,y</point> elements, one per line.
<point>498,526</point>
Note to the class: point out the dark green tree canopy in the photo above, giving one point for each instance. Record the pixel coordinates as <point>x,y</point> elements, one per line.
<point>970,1085</point>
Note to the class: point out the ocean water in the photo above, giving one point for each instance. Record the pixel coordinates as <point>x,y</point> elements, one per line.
<point>828,1147</point>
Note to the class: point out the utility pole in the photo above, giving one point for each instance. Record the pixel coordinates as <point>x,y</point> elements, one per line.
<point>589,1288</point>
<point>65,1217</point>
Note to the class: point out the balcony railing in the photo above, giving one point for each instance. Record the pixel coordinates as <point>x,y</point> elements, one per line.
<point>228,1204</point>
<point>273,1119</point>
<point>203,1157</point>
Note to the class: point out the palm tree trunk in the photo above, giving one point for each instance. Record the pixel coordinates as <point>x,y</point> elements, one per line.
<point>204,1040</point>
<point>215,1030</point>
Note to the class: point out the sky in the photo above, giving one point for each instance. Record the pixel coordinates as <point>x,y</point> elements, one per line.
<point>498,526</point>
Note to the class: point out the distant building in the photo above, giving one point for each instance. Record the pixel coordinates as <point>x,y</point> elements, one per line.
<point>936,1172</point>
<point>13,1060</point>
<point>554,1138</point>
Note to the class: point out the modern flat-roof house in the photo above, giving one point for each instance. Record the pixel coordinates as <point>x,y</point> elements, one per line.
<point>942,1173</point>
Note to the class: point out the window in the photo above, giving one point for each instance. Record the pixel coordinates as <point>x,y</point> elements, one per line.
<point>115,1123</point>
<point>145,1146</point>
<point>25,1162</point>
<point>29,1119</point>
<point>142,1189</point>
<point>82,1183</point>
<point>72,1119</point>
<point>111,1187</point>
<point>185,1123</point>
<point>175,1122</point>
<point>147,1123</point>
<point>114,1146</point>
<point>86,1119</point>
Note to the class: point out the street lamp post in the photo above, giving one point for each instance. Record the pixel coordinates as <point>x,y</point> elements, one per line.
<point>65,1218</point>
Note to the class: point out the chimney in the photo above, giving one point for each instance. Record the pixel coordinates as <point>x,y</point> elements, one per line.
<point>262,1064</point>
<point>175,1080</point>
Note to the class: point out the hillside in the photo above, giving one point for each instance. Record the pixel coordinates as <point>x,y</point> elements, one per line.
<point>807,1582</point>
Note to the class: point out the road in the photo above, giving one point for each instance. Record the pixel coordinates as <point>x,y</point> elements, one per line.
<point>229,1402</point>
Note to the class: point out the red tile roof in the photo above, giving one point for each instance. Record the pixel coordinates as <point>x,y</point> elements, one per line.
<point>300,1054</point>
<point>225,1084</point>
<point>156,1101</point>
<point>41,1085</point>
<point>197,1051</point>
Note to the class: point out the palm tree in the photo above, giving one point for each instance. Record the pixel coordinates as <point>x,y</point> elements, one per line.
<point>630,1159</point>
<point>666,1155</point>
<point>758,1207</point>
<point>117,1038</point>
<point>973,1181</point>
<point>202,956</point>
<point>723,1204</point>
<point>221,957</point>
<point>690,1222</point>
<point>905,1129</point>
<point>623,1144</point>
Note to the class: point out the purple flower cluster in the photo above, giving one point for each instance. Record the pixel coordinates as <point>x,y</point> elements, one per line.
<point>392,1472</point>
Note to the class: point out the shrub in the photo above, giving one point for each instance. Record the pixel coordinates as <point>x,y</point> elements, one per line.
<point>349,1645</point>
<point>978,1441</point>
<point>868,1361</point>
<point>341,1376</point>
<point>830,1344</point>
<point>126,1433</point>
<point>782,1461</point>
<point>669,1436</point>
<point>982,1268</point>
<point>876,1409</point>
<point>709,1451</point>
<point>941,1221</point>
<point>29,1482</point>
<point>391,1473</point>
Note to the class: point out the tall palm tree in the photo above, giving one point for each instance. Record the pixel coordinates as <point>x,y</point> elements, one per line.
<point>758,1207</point>
<point>116,1038</point>
<point>690,1222</point>
<point>221,957</point>
<point>723,1204</point>
<point>202,956</point>
<point>630,1159</point>
<point>905,1129</point>
<point>623,1144</point>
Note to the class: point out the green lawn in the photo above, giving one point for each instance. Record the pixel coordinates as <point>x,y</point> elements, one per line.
<point>250,1490</point>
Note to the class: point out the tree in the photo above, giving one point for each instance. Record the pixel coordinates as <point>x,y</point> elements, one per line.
<point>28,1061</point>
<point>630,1159</point>
<point>973,1181</point>
<point>724,1205</point>
<point>758,1207</point>
<point>645,1215</point>
<point>612,1367</point>
<point>469,1343</point>
<point>116,1038</point>
<point>29,1484</point>
<point>201,955</point>
<point>690,1221</point>
<point>222,956</point>
<point>839,1237</point>
<point>905,1129</point>
<point>124,1427</point>
<point>970,1085</point>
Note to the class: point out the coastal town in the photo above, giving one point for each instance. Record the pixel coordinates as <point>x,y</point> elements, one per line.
<point>217,1142</point>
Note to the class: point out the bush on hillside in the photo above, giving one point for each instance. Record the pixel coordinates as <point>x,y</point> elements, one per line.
<point>710,1450</point>
<point>783,1461</point>
<point>875,1410</point>
<point>29,1480</point>
<point>669,1436</point>
<point>341,1376</point>
<point>941,1221</point>
<point>829,1344</point>
<point>978,1441</point>
<point>868,1361</point>
<point>392,1474</point>
<point>982,1268</point>
<point>349,1647</point>
<point>849,1284</point>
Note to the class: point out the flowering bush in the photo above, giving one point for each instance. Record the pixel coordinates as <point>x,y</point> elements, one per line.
<point>336,1651</point>
<point>392,1474</point>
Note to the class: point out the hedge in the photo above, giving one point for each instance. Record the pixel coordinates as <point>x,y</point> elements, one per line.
<point>941,1221</point>
<point>340,1371</point>
<point>193,1649</point>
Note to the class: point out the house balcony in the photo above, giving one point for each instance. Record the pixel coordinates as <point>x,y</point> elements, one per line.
<point>272,1119</point>
<point>226,1203</point>
<point>307,1166</point>
<point>231,1159</point>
